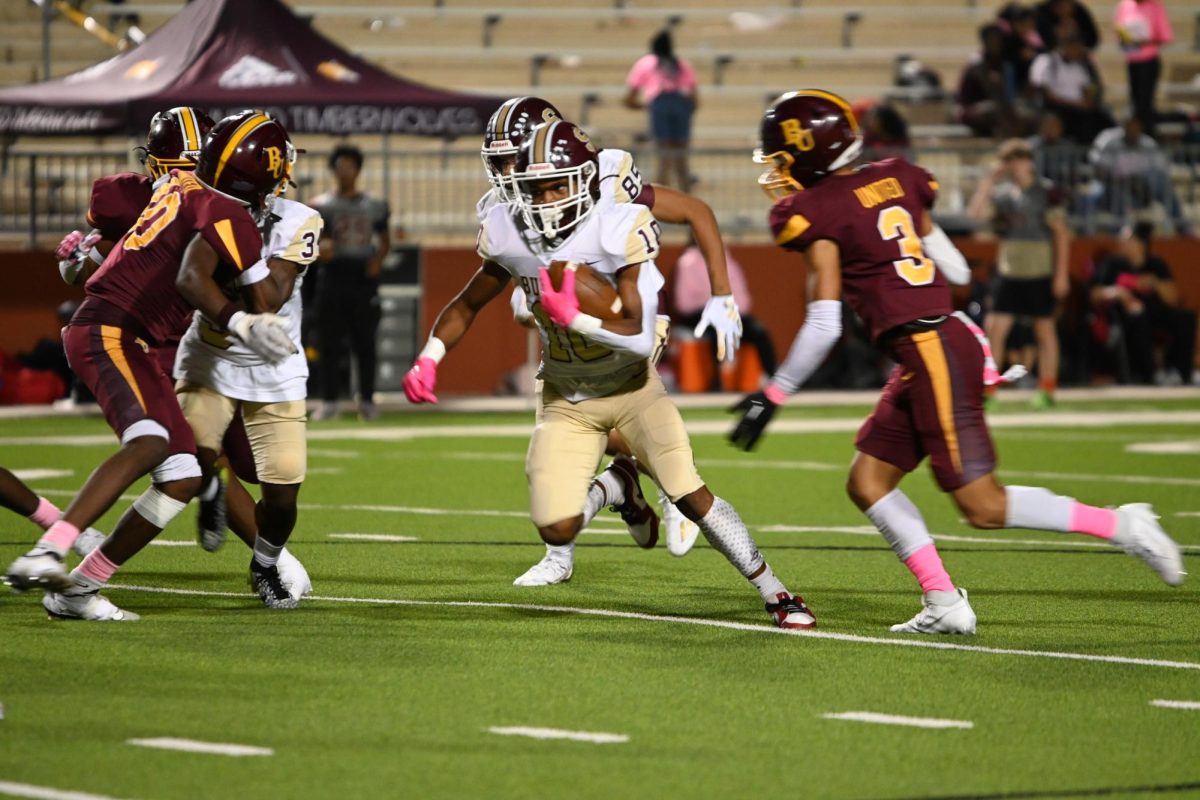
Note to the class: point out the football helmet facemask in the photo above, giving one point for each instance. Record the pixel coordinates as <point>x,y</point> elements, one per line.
<point>247,156</point>
<point>556,152</point>
<point>805,136</point>
<point>174,140</point>
<point>506,130</point>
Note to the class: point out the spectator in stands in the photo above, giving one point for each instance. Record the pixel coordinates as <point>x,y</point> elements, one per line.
<point>1027,215</point>
<point>666,84</point>
<point>1065,164</point>
<point>1134,289</point>
<point>885,131</point>
<point>1021,41</point>
<point>354,243</point>
<point>1056,17</point>
<point>1134,173</point>
<point>989,101</point>
<point>1142,27</point>
<point>1070,86</point>
<point>690,291</point>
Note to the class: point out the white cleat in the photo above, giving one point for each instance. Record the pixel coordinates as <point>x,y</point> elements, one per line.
<point>88,541</point>
<point>955,616</point>
<point>681,533</point>
<point>293,575</point>
<point>547,572</point>
<point>91,606</point>
<point>1140,535</point>
<point>41,568</point>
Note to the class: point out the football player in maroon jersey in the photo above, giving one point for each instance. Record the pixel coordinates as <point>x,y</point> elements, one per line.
<point>866,231</point>
<point>197,234</point>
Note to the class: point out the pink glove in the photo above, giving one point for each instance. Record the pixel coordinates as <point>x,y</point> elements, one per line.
<point>561,306</point>
<point>420,380</point>
<point>67,247</point>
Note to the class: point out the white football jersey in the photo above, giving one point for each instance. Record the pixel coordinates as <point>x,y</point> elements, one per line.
<point>620,182</point>
<point>608,240</point>
<point>210,357</point>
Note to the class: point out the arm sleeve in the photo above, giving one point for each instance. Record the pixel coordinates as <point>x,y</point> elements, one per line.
<point>821,329</point>
<point>947,257</point>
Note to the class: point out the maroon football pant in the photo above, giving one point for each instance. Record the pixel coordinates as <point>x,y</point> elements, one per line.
<point>126,376</point>
<point>932,406</point>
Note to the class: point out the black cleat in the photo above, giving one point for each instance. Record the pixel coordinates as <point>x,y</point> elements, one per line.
<point>265,581</point>
<point>210,519</point>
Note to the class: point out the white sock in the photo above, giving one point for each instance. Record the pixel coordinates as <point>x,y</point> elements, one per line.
<point>265,553</point>
<point>597,498</point>
<point>561,552</point>
<point>1037,508</point>
<point>726,532</point>
<point>614,487</point>
<point>900,522</point>
<point>768,585</point>
<point>210,490</point>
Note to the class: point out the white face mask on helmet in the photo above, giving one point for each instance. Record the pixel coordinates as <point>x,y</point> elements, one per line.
<point>555,218</point>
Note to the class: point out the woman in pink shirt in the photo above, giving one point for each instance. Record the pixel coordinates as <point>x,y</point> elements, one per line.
<point>1142,26</point>
<point>666,85</point>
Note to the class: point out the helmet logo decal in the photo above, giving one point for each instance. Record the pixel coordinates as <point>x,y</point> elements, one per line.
<point>583,137</point>
<point>797,135</point>
<point>275,161</point>
<point>550,115</point>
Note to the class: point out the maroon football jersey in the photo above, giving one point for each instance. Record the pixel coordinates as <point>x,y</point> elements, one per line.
<point>117,202</point>
<point>135,286</point>
<point>874,216</point>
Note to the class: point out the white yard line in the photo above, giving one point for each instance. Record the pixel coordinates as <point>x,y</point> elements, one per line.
<point>898,641</point>
<point>1172,448</point>
<point>328,452</point>
<point>1183,705</point>
<point>42,474</point>
<point>173,543</point>
<point>373,537</point>
<point>10,789</point>
<point>556,733</point>
<point>207,748</point>
<point>894,719</point>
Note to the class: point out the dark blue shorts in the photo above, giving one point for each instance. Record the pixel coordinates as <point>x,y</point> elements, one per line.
<point>671,117</point>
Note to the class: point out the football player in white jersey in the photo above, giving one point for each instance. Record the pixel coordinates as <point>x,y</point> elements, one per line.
<point>619,182</point>
<point>217,376</point>
<point>597,374</point>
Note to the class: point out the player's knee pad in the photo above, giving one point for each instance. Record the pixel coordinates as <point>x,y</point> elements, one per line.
<point>157,508</point>
<point>144,427</point>
<point>176,468</point>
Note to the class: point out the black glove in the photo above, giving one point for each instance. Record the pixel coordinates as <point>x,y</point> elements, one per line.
<point>757,411</point>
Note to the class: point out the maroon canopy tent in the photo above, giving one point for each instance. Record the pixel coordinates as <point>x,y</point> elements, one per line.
<point>225,55</point>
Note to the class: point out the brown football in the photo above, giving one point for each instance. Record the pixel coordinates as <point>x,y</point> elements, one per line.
<point>597,296</point>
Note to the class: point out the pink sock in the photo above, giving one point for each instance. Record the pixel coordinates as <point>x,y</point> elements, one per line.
<point>46,515</point>
<point>1100,522</point>
<point>61,535</point>
<point>97,567</point>
<point>926,566</point>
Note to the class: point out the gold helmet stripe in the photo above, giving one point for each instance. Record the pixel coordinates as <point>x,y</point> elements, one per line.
<point>833,98</point>
<point>503,115</point>
<point>191,130</point>
<point>243,130</point>
<point>541,142</point>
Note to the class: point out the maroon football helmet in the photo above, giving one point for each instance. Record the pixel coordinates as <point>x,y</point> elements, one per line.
<point>247,156</point>
<point>805,136</point>
<point>505,131</point>
<point>556,152</point>
<point>174,140</point>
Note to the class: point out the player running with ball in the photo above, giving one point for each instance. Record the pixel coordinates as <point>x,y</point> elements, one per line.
<point>865,229</point>
<point>596,373</point>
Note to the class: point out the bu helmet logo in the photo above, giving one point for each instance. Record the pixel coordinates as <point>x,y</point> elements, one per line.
<point>550,115</point>
<point>274,161</point>
<point>797,135</point>
<point>583,137</point>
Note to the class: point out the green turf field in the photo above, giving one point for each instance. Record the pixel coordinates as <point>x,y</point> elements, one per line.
<point>386,684</point>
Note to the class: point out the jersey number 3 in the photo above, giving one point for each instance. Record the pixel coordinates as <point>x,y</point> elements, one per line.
<point>915,267</point>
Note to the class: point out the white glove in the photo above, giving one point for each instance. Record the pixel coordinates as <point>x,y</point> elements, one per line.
<point>266,334</point>
<point>721,312</point>
<point>520,309</point>
<point>73,253</point>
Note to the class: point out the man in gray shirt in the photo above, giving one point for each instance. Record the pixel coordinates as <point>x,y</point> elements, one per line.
<point>353,246</point>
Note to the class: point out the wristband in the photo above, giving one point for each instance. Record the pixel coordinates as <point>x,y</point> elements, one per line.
<point>775,394</point>
<point>585,324</point>
<point>226,314</point>
<point>96,255</point>
<point>435,350</point>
